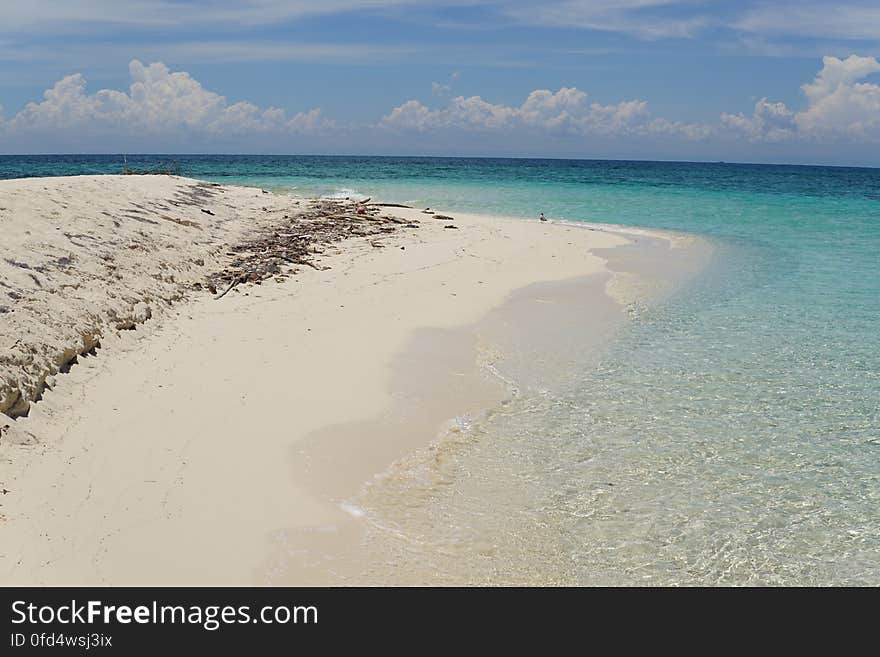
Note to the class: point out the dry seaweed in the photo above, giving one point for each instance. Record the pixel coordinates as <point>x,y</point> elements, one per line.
<point>160,169</point>
<point>300,239</point>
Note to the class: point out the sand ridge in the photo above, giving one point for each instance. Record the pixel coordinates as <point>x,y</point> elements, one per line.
<point>86,257</point>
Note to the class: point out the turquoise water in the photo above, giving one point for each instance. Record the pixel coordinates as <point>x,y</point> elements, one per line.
<point>730,435</point>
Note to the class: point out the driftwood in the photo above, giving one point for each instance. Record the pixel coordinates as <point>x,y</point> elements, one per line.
<point>224,293</point>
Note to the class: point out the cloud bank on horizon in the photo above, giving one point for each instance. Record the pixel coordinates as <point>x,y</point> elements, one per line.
<point>168,109</point>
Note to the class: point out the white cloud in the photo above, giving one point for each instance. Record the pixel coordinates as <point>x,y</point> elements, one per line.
<point>554,109</point>
<point>164,109</point>
<point>478,113</point>
<point>770,122</point>
<point>468,113</point>
<point>565,111</point>
<point>412,115</point>
<point>158,101</point>
<point>839,105</point>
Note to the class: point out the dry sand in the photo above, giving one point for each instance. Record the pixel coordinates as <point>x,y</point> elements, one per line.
<point>88,255</point>
<point>180,452</point>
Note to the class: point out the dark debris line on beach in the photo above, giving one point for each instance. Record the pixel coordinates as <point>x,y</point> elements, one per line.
<point>297,243</point>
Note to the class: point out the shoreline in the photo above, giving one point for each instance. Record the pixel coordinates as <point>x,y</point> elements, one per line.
<point>387,538</point>
<point>445,383</point>
<point>184,454</point>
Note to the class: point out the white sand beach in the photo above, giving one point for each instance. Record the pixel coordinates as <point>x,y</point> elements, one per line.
<point>183,451</point>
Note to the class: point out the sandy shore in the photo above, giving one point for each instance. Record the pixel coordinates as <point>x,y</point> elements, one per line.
<point>196,448</point>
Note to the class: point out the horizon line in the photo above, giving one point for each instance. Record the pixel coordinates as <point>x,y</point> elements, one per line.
<point>454,157</point>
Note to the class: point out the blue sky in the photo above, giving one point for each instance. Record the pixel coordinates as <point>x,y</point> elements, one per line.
<point>737,81</point>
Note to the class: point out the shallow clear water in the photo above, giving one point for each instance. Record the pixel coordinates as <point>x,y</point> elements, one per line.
<point>729,435</point>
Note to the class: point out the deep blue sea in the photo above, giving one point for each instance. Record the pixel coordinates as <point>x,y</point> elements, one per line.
<point>729,436</point>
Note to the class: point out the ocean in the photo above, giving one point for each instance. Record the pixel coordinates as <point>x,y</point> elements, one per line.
<point>728,435</point>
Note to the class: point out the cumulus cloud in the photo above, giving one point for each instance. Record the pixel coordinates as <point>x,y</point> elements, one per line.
<point>565,111</point>
<point>171,111</point>
<point>772,122</point>
<point>473,112</point>
<point>839,105</point>
<point>159,101</point>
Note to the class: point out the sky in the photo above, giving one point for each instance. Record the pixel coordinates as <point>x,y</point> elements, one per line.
<point>746,81</point>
